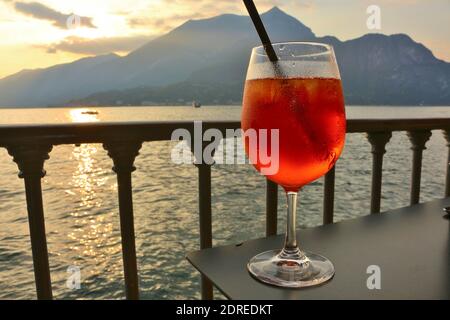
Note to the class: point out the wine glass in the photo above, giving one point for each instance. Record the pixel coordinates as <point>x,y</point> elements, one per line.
<point>298,103</point>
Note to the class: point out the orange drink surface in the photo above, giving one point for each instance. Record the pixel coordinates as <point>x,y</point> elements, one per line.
<point>310,116</point>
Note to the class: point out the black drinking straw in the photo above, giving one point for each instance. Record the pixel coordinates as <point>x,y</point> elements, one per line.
<point>251,8</point>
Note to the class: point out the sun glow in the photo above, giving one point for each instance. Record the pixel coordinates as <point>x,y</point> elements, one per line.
<point>83,115</point>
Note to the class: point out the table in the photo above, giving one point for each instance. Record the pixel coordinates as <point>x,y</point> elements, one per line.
<point>411,246</point>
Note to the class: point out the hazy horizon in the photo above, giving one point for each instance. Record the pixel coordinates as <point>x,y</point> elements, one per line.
<point>35,34</point>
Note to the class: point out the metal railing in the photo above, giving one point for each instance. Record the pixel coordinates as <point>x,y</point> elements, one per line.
<point>30,145</point>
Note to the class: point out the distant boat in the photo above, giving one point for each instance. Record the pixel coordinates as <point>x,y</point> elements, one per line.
<point>196,104</point>
<point>92,112</point>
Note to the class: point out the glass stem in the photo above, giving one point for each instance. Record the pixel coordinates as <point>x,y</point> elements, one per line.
<point>291,249</point>
<point>291,236</point>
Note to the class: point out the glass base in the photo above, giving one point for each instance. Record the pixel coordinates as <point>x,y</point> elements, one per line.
<point>291,269</point>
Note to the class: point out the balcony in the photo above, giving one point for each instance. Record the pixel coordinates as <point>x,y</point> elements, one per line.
<point>31,145</point>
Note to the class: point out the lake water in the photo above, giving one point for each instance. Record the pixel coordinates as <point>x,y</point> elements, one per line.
<point>80,200</point>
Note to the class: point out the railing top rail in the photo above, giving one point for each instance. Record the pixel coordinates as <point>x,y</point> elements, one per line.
<point>400,124</point>
<point>98,132</point>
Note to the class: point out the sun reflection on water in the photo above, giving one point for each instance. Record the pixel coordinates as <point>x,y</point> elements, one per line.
<point>93,237</point>
<point>83,115</point>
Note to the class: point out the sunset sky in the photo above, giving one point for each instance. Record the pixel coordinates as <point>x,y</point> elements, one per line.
<point>35,34</point>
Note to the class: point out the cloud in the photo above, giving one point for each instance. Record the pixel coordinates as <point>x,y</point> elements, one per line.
<point>167,14</point>
<point>161,24</point>
<point>58,19</point>
<point>303,4</point>
<point>97,46</point>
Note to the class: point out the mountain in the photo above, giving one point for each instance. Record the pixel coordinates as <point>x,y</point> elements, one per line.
<point>182,93</point>
<point>52,85</point>
<point>385,70</point>
<point>204,58</point>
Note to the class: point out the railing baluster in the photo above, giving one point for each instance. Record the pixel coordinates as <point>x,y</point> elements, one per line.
<point>204,202</point>
<point>378,140</point>
<point>204,165</point>
<point>447,178</point>
<point>30,159</point>
<point>328,196</point>
<point>418,140</point>
<point>271,208</point>
<point>123,154</point>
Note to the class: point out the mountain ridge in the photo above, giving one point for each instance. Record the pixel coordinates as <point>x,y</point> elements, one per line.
<point>375,68</point>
